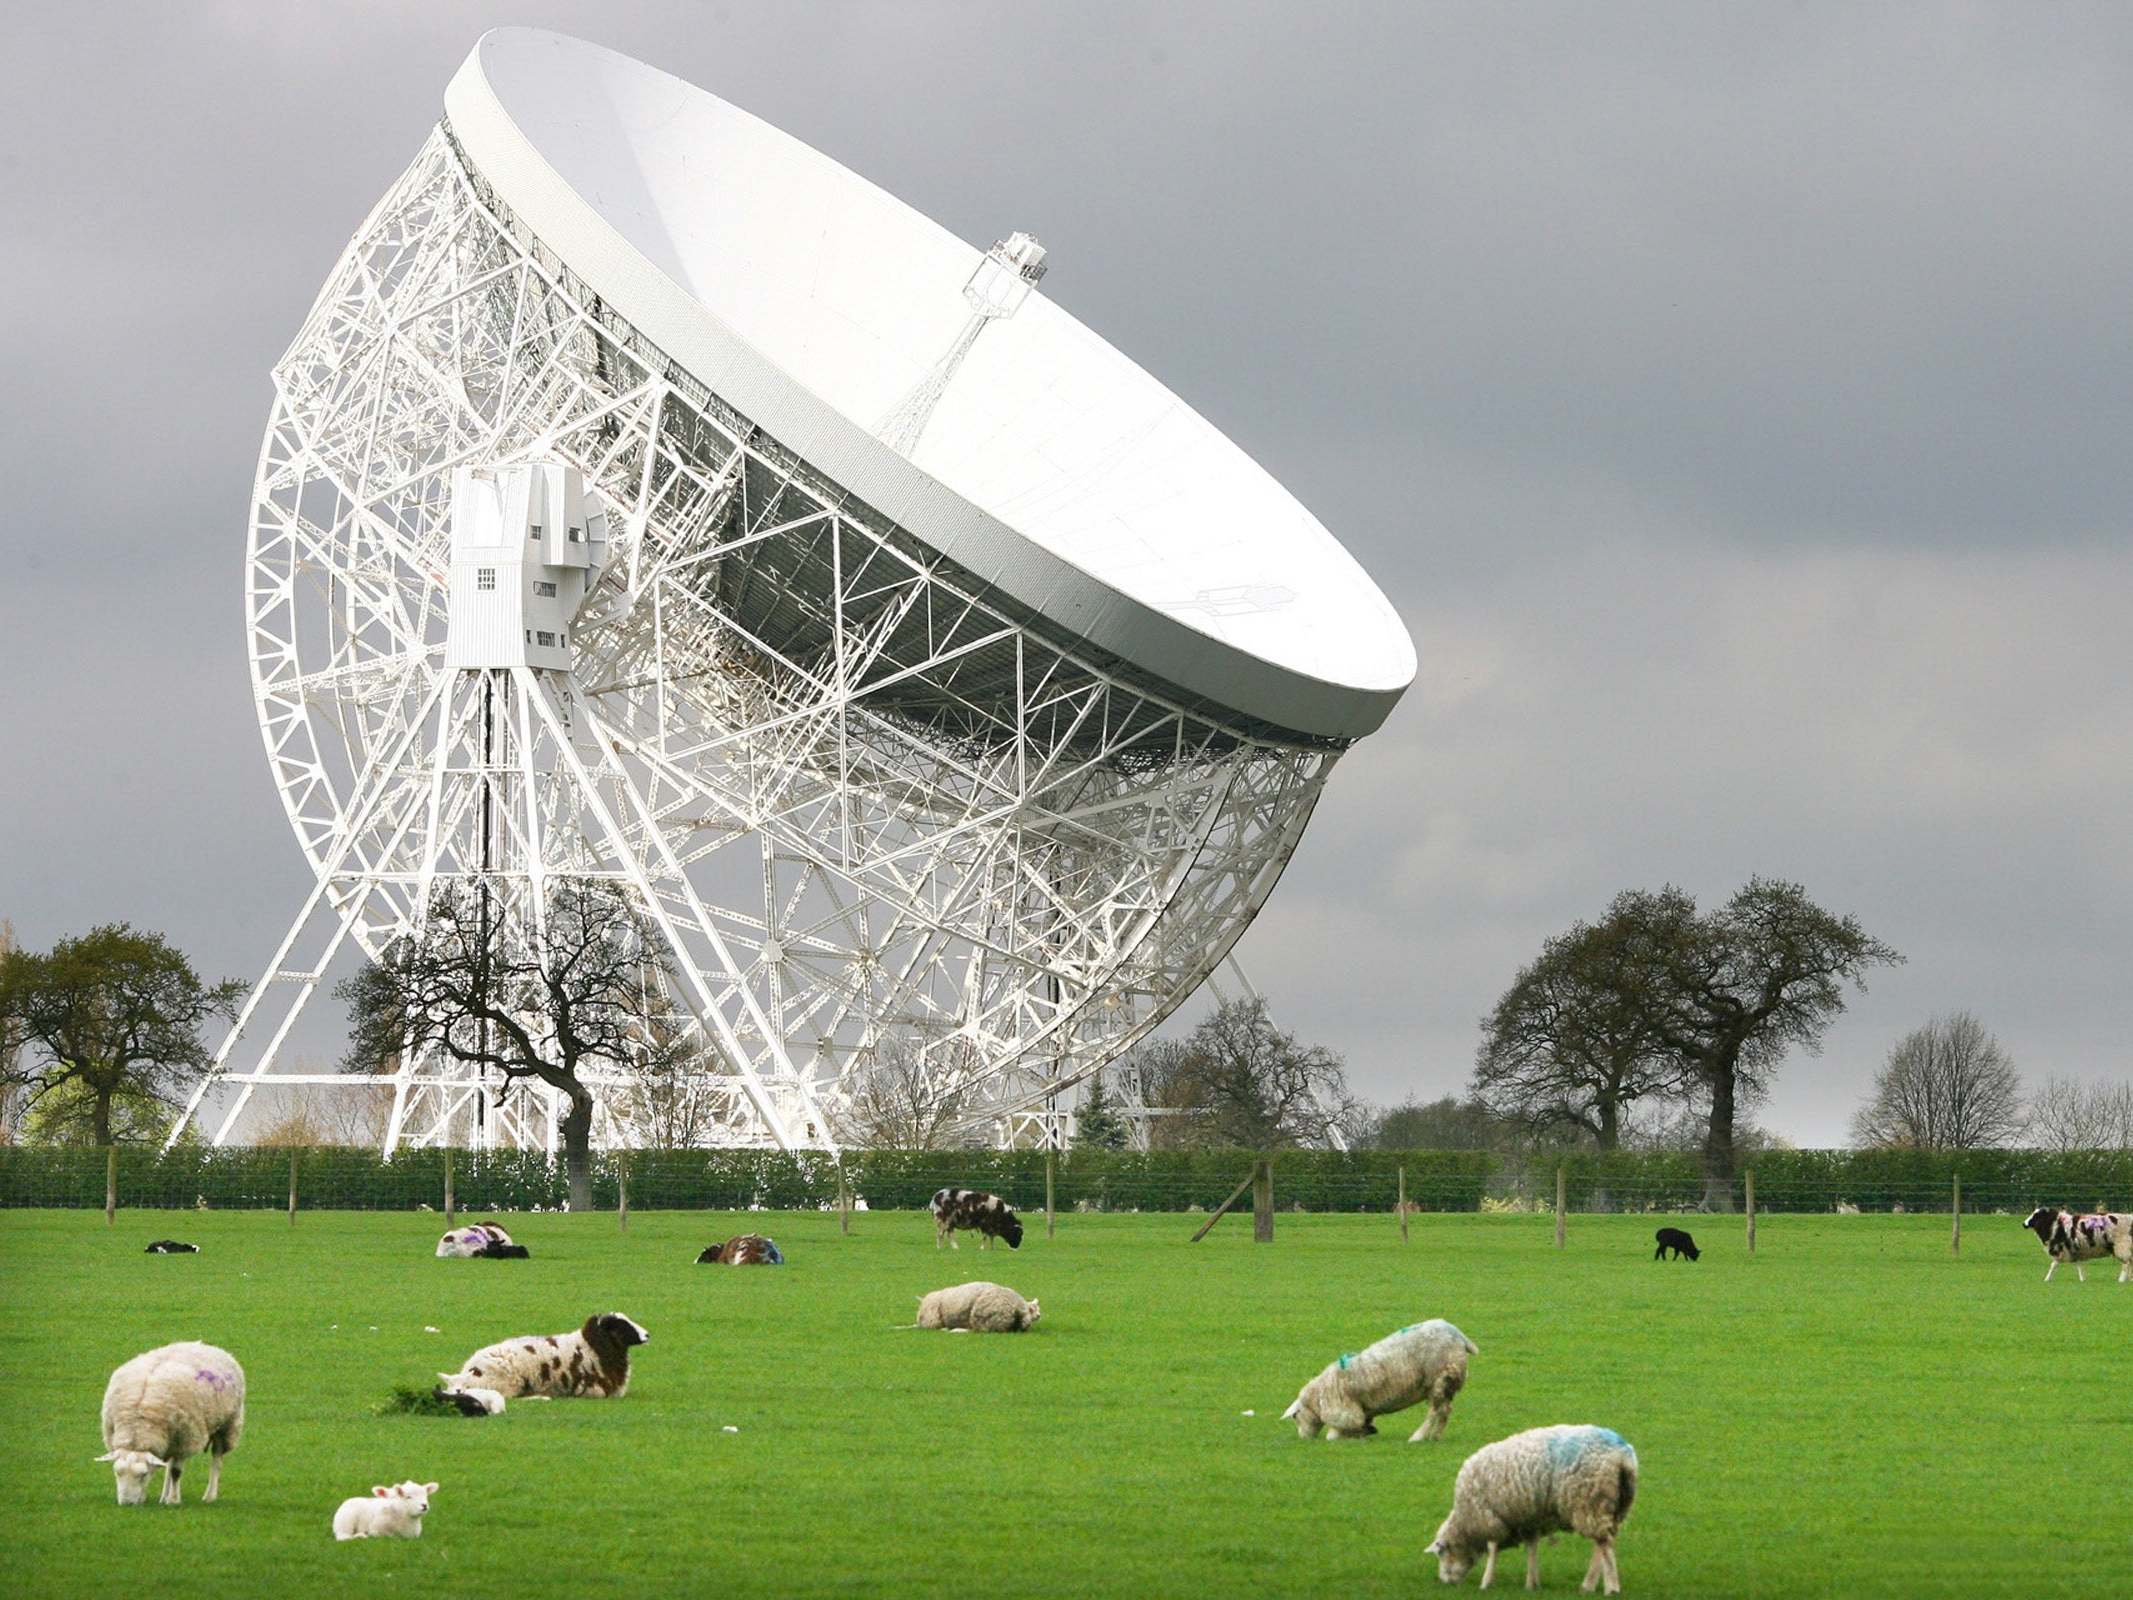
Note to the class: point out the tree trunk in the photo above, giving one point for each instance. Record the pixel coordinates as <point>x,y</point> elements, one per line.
<point>1609,1133</point>
<point>576,1128</point>
<point>1718,1140</point>
<point>100,1120</point>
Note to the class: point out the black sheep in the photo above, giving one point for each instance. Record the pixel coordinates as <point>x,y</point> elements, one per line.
<point>1677,1241</point>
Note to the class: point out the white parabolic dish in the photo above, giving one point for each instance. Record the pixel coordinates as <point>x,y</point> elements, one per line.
<point>1053,468</point>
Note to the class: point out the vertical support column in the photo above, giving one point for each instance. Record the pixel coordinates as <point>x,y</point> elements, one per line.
<point>448,1186</point>
<point>292,1187</point>
<point>111,1184</point>
<point>1402,1207</point>
<point>1050,1223</point>
<point>1263,1201</point>
<point>1955,1239</point>
<point>1562,1197</point>
<point>1751,1211</point>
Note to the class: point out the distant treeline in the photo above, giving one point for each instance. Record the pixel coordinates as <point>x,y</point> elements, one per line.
<point>1109,1180</point>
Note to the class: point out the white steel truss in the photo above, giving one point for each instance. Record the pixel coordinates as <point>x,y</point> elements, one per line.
<point>868,804</point>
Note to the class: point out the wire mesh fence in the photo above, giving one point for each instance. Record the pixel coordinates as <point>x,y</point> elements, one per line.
<point>339,1178</point>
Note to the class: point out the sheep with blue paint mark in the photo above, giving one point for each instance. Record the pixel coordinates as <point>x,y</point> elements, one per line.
<point>1424,1361</point>
<point>1545,1480</point>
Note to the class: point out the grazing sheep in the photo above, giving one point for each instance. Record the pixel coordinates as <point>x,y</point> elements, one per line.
<point>743,1250</point>
<point>394,1511</point>
<point>171,1247</point>
<point>978,1308</point>
<point>1425,1361</point>
<point>593,1361</point>
<point>472,1240</point>
<point>2067,1237</point>
<point>987,1214</point>
<point>1678,1241</point>
<point>164,1407</point>
<point>1534,1483</point>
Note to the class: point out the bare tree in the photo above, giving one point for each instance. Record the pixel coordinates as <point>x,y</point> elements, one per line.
<point>585,997</point>
<point>1575,1042</point>
<point>1948,1085</point>
<point>2069,1114</point>
<point>897,1102</point>
<point>1251,1085</point>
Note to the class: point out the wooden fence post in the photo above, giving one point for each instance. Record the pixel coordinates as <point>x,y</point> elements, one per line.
<point>292,1186</point>
<point>111,1184</point>
<point>1263,1202</point>
<point>844,1200</point>
<point>448,1186</point>
<point>622,1190</point>
<point>1562,1196</point>
<point>1955,1239</point>
<point>1403,1205</point>
<point>1049,1162</point>
<point>1235,1194</point>
<point>1751,1211</point>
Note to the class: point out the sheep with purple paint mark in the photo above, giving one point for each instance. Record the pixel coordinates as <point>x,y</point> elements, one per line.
<point>475,1239</point>
<point>1424,1361</point>
<point>1545,1480</point>
<point>2088,1236</point>
<point>166,1406</point>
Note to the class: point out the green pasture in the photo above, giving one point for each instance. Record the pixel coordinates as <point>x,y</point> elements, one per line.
<point>1849,1412</point>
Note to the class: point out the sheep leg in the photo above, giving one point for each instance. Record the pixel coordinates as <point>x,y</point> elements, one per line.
<point>214,1476</point>
<point>1614,1573</point>
<point>1433,1426</point>
<point>1488,1570</point>
<point>2048,1271</point>
<point>1595,1570</point>
<point>1533,1563</point>
<point>2081,1273</point>
<point>172,1495</point>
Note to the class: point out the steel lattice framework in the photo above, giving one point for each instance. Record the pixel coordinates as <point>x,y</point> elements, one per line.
<point>868,805</point>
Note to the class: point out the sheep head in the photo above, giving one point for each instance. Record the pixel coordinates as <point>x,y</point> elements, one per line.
<point>131,1468</point>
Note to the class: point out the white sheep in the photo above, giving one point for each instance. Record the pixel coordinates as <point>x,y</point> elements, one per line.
<point>1424,1361</point>
<point>978,1308</point>
<point>1539,1482</point>
<point>164,1407</point>
<point>595,1360</point>
<point>394,1511</point>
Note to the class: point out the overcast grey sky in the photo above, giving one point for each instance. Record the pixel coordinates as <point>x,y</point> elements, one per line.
<point>1736,401</point>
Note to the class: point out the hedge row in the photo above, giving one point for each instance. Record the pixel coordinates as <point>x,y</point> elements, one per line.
<point>1309,1180</point>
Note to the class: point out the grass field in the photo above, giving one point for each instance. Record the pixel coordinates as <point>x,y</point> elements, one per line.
<point>1850,1412</point>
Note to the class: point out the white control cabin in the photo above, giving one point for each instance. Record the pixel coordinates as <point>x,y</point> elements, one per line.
<point>526,548</point>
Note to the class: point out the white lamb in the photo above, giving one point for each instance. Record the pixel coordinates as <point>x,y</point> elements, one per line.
<point>394,1511</point>
<point>164,1407</point>
<point>978,1308</point>
<point>1539,1482</point>
<point>1425,1361</point>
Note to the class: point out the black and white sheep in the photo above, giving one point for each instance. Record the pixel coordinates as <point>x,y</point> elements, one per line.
<point>171,1247</point>
<point>477,1239</point>
<point>743,1250</point>
<point>392,1511</point>
<point>1535,1483</point>
<point>987,1215</point>
<point>1424,1361</point>
<point>594,1361</point>
<point>2067,1236</point>
<point>164,1407</point>
<point>978,1308</point>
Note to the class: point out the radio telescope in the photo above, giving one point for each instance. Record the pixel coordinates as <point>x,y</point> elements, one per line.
<point>648,498</point>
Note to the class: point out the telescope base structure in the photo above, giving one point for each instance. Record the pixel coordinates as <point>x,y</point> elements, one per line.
<point>886,825</point>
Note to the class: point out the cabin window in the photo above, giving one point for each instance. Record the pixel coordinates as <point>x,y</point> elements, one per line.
<point>543,636</point>
<point>543,588</point>
<point>484,577</point>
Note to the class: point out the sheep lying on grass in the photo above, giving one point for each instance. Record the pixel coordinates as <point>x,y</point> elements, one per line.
<point>164,1407</point>
<point>394,1511</point>
<point>1534,1483</point>
<point>978,1308</point>
<point>478,1239</point>
<point>1426,1361</point>
<point>743,1250</point>
<point>594,1361</point>
<point>171,1247</point>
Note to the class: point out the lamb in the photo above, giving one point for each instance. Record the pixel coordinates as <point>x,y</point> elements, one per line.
<point>472,1240</point>
<point>171,1247</point>
<point>2067,1237</point>
<point>1539,1482</point>
<point>743,1250</point>
<point>978,1308</point>
<point>593,1361</point>
<point>990,1216</point>
<point>164,1407</point>
<point>1678,1241</point>
<point>394,1511</point>
<point>1424,1361</point>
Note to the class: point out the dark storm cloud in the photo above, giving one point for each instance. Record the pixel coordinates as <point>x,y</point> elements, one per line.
<point>1734,400</point>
